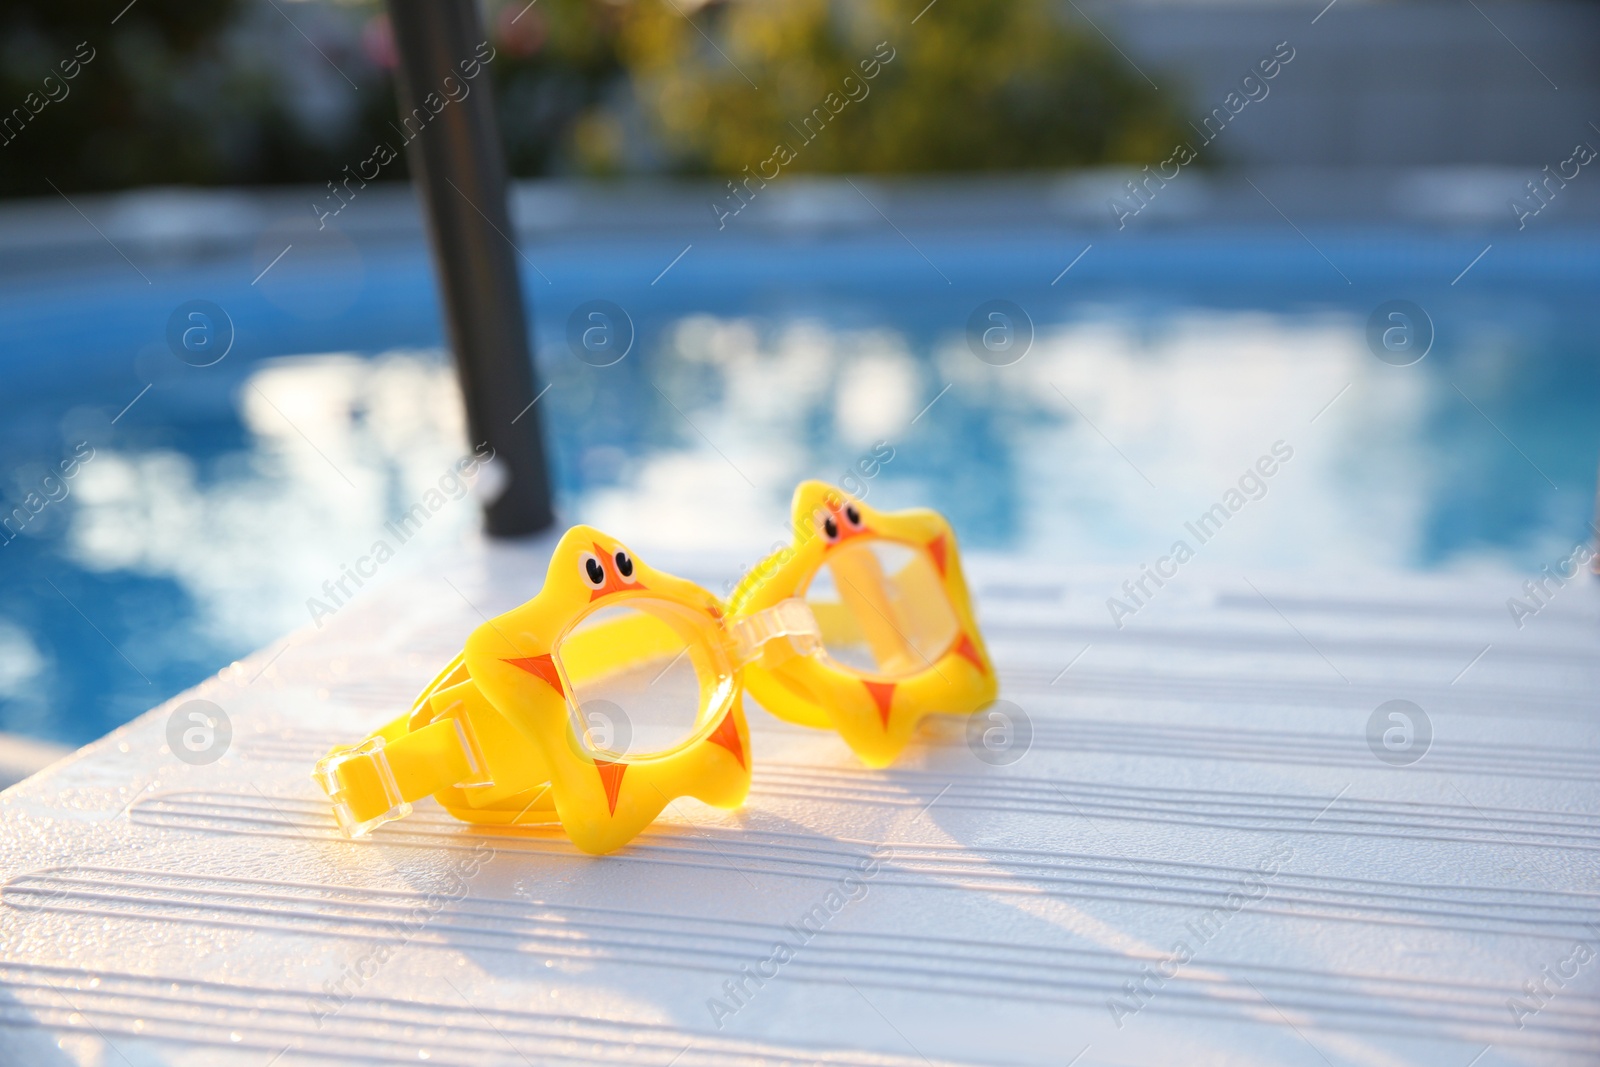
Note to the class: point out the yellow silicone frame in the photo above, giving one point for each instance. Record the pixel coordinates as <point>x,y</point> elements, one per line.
<point>875,715</point>
<point>492,738</point>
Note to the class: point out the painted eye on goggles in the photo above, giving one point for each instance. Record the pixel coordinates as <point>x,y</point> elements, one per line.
<point>840,520</point>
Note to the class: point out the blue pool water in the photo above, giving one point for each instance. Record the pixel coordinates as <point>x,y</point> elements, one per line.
<point>1163,365</point>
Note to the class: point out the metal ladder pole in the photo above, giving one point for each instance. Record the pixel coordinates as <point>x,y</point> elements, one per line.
<point>456,160</point>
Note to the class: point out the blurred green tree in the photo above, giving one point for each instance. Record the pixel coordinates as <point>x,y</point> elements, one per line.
<point>972,85</point>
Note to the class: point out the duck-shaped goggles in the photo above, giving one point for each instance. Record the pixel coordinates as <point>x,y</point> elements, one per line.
<point>618,688</point>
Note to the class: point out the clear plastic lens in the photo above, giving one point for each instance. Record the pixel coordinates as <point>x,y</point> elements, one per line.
<point>643,678</point>
<point>882,608</point>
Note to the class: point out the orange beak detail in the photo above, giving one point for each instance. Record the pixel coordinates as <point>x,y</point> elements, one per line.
<point>541,667</point>
<point>883,696</point>
<point>727,735</point>
<point>611,779</point>
<point>965,648</point>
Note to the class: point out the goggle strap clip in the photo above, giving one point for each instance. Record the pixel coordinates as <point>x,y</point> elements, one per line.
<point>372,752</point>
<point>467,736</point>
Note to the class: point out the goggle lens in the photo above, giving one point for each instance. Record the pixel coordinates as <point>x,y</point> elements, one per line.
<point>674,681</point>
<point>882,608</point>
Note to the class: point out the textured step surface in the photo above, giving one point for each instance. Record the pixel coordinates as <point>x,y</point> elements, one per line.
<point>1197,855</point>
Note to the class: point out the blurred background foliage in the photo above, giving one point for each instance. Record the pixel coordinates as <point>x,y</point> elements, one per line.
<point>973,85</point>
<point>274,91</point>
<point>225,91</point>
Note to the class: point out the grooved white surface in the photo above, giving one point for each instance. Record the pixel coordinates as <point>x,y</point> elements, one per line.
<point>157,913</point>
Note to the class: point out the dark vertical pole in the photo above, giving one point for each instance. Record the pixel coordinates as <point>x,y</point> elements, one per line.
<point>460,172</point>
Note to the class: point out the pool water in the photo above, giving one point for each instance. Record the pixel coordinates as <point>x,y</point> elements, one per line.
<point>211,512</point>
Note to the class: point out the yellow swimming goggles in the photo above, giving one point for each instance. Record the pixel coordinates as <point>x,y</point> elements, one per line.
<point>617,689</point>
<point>893,619</point>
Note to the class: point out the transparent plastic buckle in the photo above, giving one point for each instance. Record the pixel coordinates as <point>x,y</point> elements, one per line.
<point>327,775</point>
<point>790,619</point>
<point>480,778</point>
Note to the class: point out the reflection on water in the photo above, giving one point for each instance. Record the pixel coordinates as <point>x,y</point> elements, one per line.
<point>1118,431</point>
<point>196,552</point>
<point>336,447</point>
<point>1099,446</point>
